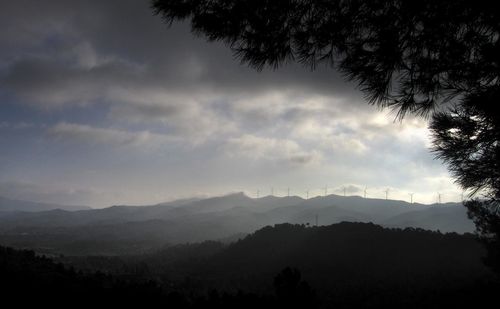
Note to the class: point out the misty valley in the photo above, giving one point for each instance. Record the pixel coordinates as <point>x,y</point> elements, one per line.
<point>233,250</point>
<point>138,229</point>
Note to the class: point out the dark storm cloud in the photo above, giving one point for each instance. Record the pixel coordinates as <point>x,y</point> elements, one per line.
<point>126,45</point>
<point>118,53</point>
<point>49,83</point>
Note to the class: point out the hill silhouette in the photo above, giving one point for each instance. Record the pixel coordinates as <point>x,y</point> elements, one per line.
<point>345,263</point>
<point>344,252</point>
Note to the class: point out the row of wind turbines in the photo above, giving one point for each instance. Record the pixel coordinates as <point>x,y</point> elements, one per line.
<point>324,191</point>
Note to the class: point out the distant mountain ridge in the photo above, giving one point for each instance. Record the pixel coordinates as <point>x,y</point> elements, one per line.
<point>142,228</point>
<point>7,204</point>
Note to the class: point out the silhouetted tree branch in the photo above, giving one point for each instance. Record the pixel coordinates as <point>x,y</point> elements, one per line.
<point>407,55</point>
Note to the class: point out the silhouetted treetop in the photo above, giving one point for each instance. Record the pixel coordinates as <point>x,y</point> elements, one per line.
<point>407,55</point>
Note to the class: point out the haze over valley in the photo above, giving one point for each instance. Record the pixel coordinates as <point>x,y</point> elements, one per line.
<point>135,229</point>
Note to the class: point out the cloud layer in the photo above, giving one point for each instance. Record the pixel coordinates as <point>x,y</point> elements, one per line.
<point>159,113</point>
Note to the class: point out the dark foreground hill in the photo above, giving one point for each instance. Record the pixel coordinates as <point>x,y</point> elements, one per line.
<point>330,255</point>
<point>29,281</point>
<point>347,265</point>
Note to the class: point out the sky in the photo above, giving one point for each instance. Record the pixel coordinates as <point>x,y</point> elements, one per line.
<point>102,104</point>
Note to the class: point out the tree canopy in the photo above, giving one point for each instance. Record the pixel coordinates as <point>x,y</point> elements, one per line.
<point>407,55</point>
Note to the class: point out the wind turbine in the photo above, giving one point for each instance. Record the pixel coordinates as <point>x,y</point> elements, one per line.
<point>411,198</point>
<point>439,198</point>
<point>307,194</point>
<point>326,190</point>
<point>258,193</point>
<point>365,192</point>
<point>344,190</point>
<point>272,191</point>
<point>387,193</point>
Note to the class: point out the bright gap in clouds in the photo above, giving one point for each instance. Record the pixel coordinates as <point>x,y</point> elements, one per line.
<point>103,106</point>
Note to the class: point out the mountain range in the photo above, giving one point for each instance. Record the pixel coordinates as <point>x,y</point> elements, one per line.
<point>124,229</point>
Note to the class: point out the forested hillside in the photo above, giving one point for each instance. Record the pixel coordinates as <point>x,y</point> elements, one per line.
<point>345,264</point>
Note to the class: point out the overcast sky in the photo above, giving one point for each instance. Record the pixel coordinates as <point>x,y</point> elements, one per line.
<point>101,104</point>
